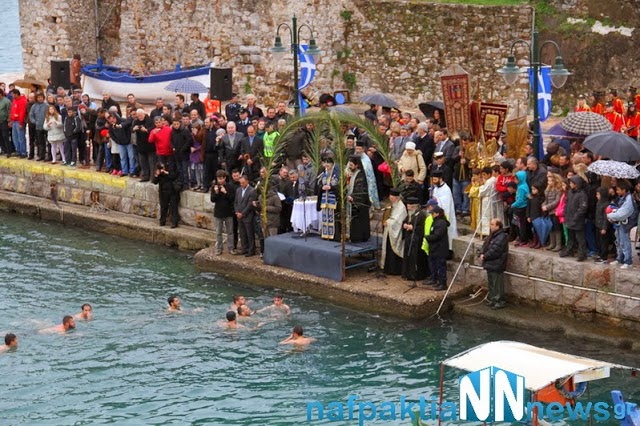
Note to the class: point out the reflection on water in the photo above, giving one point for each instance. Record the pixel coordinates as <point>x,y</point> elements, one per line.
<point>11,50</point>
<point>136,363</point>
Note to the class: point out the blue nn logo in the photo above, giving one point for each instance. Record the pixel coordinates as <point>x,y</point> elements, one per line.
<point>492,395</point>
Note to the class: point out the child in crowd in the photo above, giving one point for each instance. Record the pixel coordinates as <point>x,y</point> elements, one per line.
<point>534,211</point>
<point>505,177</point>
<point>551,200</point>
<point>473,191</point>
<point>519,208</point>
<point>603,227</point>
<point>575,214</point>
<point>560,214</point>
<point>72,133</point>
<point>55,133</point>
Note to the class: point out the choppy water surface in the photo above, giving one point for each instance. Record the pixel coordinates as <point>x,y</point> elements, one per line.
<point>10,48</point>
<point>136,364</point>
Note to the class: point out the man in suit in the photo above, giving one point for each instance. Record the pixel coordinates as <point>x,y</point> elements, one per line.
<point>243,205</point>
<point>250,154</point>
<point>231,146</point>
<point>444,145</point>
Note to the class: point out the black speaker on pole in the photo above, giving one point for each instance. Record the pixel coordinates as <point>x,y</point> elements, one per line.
<point>61,74</point>
<point>221,83</point>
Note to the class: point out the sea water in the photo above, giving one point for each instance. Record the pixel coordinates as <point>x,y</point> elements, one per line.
<point>10,48</point>
<point>135,363</point>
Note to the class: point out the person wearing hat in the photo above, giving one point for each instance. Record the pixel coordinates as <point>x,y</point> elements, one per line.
<point>595,102</point>
<point>394,113</point>
<point>618,105</point>
<point>232,109</point>
<point>358,202</point>
<point>414,261</point>
<point>439,246</point>
<point>633,96</point>
<point>392,242</point>
<point>410,188</point>
<point>631,121</point>
<point>243,122</point>
<point>615,118</point>
<point>440,165</point>
<point>581,105</point>
<point>367,168</point>
<point>411,159</point>
<point>442,193</point>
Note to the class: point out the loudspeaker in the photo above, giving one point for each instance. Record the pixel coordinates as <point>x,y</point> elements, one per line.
<point>61,74</point>
<point>221,83</point>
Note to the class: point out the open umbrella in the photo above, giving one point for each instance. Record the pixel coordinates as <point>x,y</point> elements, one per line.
<point>614,169</point>
<point>613,145</point>
<point>381,99</point>
<point>28,82</point>
<point>428,108</point>
<point>558,132</point>
<point>585,123</point>
<point>186,85</point>
<point>542,225</point>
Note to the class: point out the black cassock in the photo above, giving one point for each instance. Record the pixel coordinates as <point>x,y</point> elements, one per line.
<point>415,265</point>
<point>360,225</point>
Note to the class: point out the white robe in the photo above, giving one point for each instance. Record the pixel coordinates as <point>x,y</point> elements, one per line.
<point>443,196</point>
<point>393,231</point>
<point>490,205</point>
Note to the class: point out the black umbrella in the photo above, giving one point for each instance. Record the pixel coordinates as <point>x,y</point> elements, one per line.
<point>613,145</point>
<point>379,99</point>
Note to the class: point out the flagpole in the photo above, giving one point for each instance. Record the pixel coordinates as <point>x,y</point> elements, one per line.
<point>296,77</point>
<point>535,55</point>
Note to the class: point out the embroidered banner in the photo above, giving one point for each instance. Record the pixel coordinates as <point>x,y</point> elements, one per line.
<point>455,93</point>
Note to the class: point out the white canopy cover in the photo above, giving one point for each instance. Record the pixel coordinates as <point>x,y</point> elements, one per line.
<point>539,367</point>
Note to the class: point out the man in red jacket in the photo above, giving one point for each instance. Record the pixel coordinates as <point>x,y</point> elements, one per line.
<point>161,137</point>
<point>18,118</point>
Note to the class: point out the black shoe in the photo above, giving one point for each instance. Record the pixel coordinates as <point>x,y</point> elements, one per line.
<point>581,258</point>
<point>600,260</point>
<point>249,254</point>
<point>174,225</point>
<point>498,306</point>
<point>440,288</point>
<point>163,224</point>
<point>564,254</point>
<point>489,303</point>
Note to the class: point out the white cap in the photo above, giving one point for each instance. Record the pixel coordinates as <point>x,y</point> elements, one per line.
<point>438,154</point>
<point>410,145</point>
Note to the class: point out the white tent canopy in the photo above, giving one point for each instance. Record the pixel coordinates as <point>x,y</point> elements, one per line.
<point>539,367</point>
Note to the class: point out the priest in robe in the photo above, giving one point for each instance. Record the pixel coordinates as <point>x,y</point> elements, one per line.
<point>414,262</point>
<point>367,168</point>
<point>441,192</point>
<point>491,206</point>
<point>392,242</point>
<point>358,203</point>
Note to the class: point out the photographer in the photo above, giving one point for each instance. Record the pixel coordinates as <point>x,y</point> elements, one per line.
<point>222,197</point>
<point>168,193</point>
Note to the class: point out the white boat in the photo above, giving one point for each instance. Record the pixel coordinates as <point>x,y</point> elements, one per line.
<point>119,82</point>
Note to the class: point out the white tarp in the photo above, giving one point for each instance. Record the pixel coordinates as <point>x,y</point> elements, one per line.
<point>538,366</point>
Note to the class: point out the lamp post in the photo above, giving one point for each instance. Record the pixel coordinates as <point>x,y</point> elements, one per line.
<point>559,74</point>
<point>279,50</point>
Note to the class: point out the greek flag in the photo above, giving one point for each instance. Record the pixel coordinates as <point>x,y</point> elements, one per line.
<point>307,73</point>
<point>544,91</point>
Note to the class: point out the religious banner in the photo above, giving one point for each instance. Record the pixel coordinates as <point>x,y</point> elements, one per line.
<point>517,135</point>
<point>488,120</point>
<point>455,93</point>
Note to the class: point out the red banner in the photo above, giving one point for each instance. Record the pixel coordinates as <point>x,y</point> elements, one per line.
<point>455,94</point>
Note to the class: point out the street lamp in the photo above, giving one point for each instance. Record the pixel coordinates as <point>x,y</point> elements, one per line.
<point>559,74</point>
<point>278,50</point>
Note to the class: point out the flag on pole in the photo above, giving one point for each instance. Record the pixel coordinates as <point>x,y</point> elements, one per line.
<point>544,91</point>
<point>307,74</point>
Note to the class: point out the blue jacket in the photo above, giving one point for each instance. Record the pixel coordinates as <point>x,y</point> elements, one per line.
<point>522,192</point>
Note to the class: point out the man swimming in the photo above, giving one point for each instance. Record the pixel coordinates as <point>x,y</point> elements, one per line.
<point>278,306</point>
<point>68,323</point>
<point>244,311</point>
<point>10,341</point>
<point>86,314</point>
<point>238,300</point>
<point>232,320</point>
<point>297,337</point>
<point>175,305</point>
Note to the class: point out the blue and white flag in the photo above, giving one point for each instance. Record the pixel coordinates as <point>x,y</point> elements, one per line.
<point>544,91</point>
<point>307,73</point>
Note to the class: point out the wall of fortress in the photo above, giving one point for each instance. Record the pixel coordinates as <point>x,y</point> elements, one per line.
<point>399,47</point>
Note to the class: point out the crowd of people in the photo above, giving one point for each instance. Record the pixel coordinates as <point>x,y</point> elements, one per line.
<point>196,147</point>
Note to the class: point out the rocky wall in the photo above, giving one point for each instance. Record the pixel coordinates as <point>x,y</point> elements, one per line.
<point>587,291</point>
<point>400,47</point>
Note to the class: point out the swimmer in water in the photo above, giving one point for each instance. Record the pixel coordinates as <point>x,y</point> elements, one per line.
<point>175,305</point>
<point>297,337</point>
<point>232,320</point>
<point>238,300</point>
<point>68,323</point>
<point>245,311</point>
<point>278,306</point>
<point>10,342</point>
<point>86,314</point>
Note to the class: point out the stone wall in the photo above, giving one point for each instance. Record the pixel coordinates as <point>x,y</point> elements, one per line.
<point>78,186</point>
<point>400,47</point>
<point>586,291</point>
